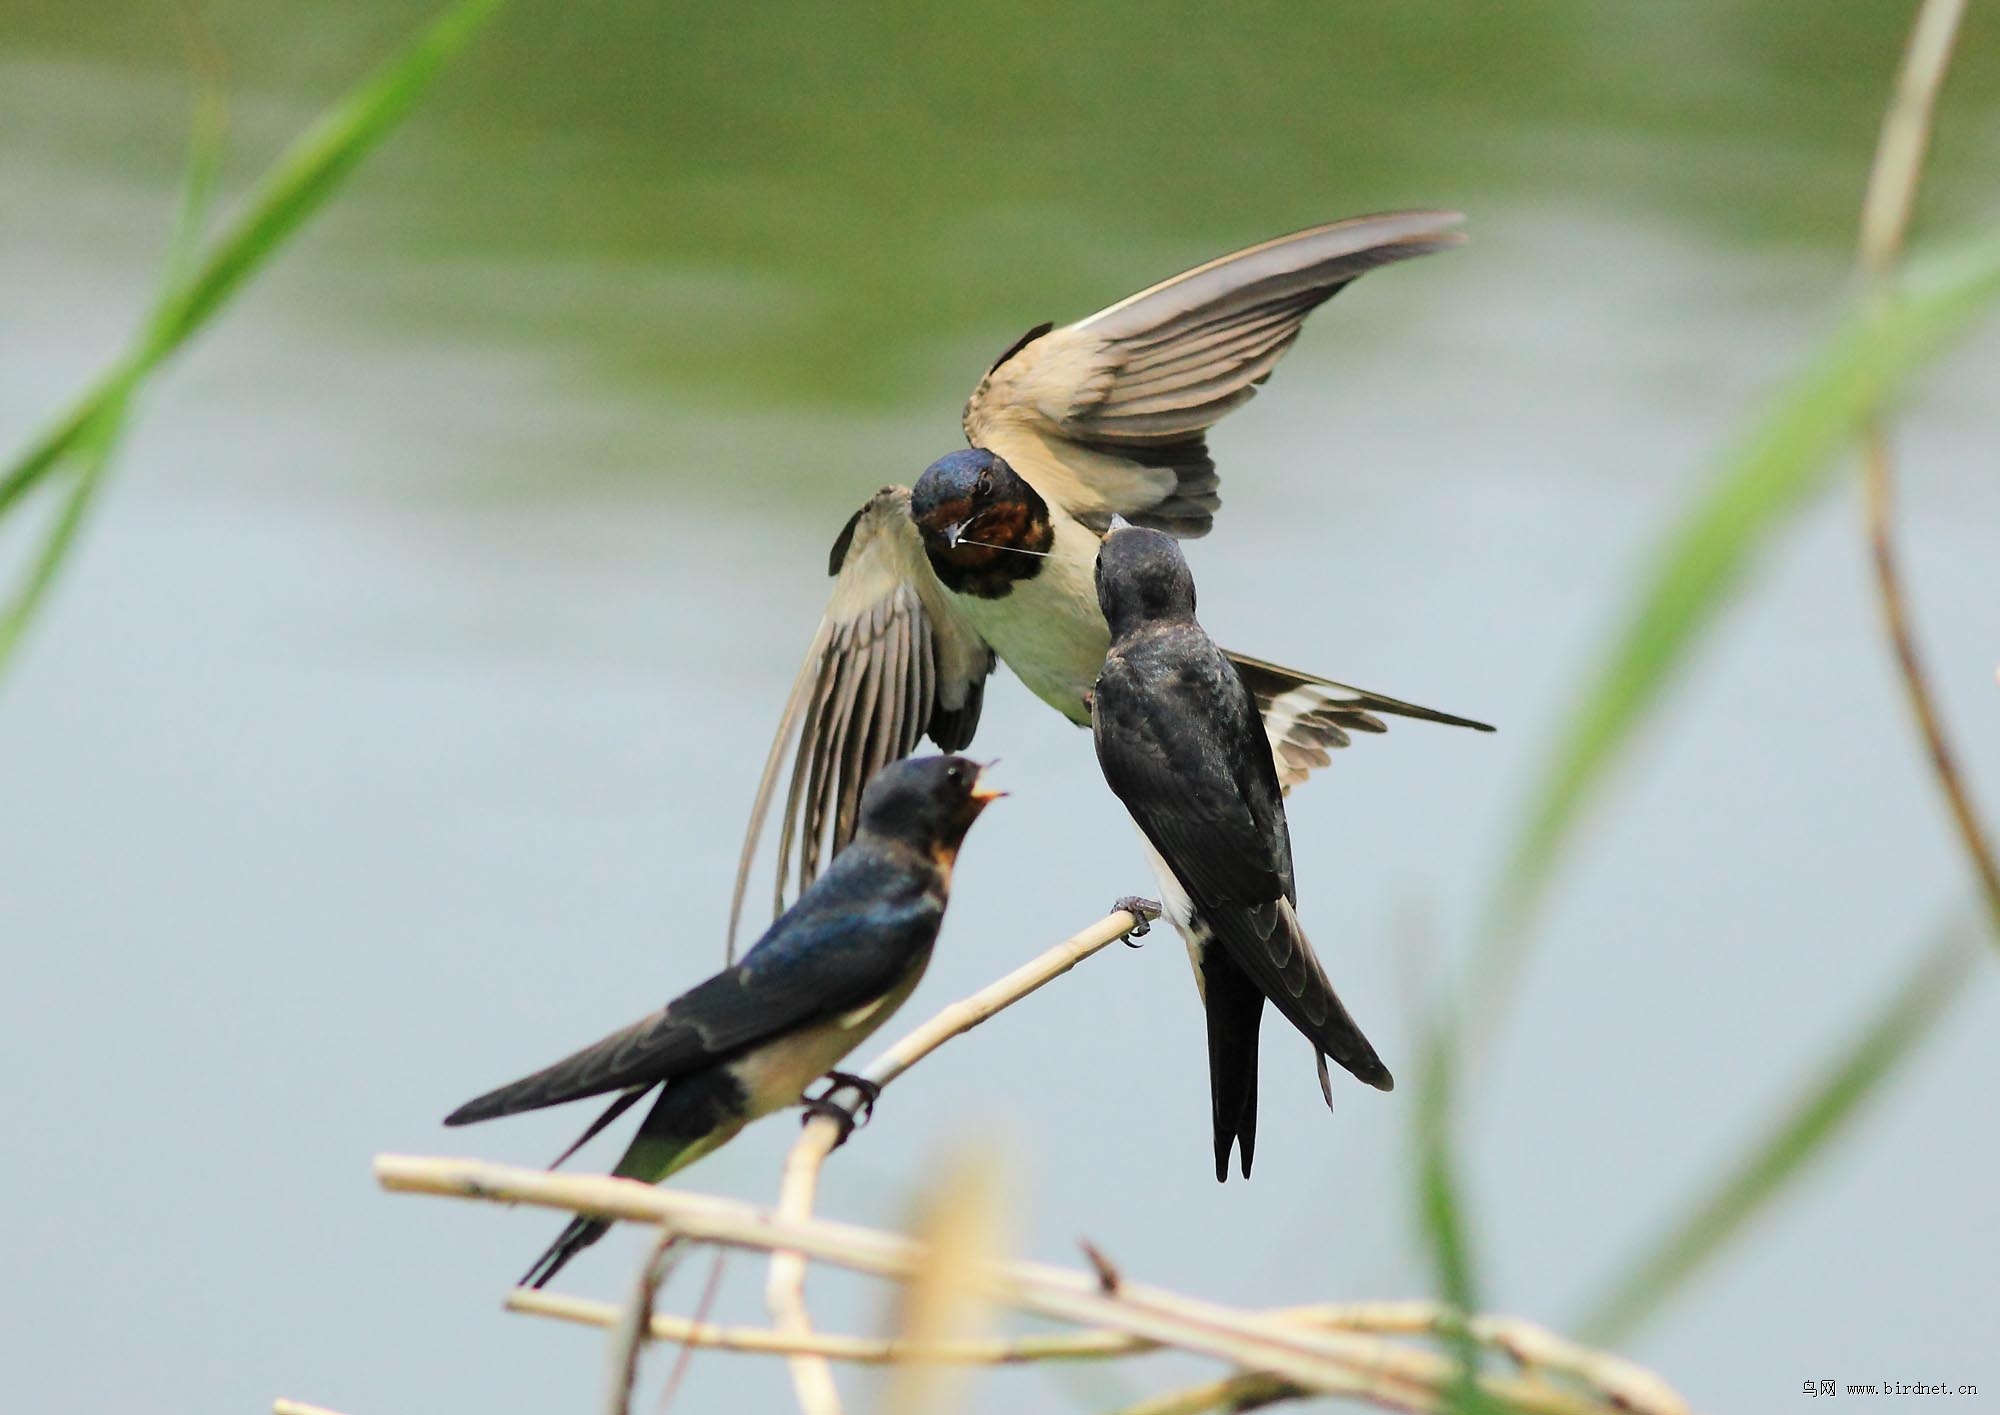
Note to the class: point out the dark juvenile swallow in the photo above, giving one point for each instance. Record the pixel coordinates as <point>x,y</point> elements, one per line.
<point>991,553</point>
<point>1181,744</point>
<point>750,1039</point>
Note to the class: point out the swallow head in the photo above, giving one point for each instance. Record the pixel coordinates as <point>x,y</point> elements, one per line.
<point>976,514</point>
<point>1142,578</point>
<point>927,802</point>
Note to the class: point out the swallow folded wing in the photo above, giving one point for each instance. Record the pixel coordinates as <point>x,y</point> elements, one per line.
<point>1183,751</point>
<point>1189,772</point>
<point>819,965</point>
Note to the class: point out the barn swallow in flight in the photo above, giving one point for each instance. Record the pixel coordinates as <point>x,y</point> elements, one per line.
<point>749,1040</point>
<point>991,553</point>
<point>1182,745</point>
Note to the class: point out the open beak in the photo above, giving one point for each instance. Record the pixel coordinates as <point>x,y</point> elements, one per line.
<point>951,535</point>
<point>983,794</point>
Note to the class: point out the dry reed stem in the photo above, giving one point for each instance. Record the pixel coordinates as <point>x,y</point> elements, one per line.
<point>1281,1354</point>
<point>1885,217</point>
<point>1253,1390</point>
<point>1232,1393</point>
<point>1391,1318</point>
<point>1316,1361</point>
<point>785,1283</point>
<point>858,1350</point>
<point>630,1327</point>
<point>1528,1344</point>
<point>1906,134</point>
<point>711,1289</point>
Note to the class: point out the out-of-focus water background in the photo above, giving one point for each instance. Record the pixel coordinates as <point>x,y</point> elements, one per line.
<point>392,732</point>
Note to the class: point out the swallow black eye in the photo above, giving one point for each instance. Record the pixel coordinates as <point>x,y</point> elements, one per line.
<point>955,773</point>
<point>985,487</point>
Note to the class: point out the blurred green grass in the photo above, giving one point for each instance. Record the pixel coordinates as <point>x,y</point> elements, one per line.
<point>1859,1069</point>
<point>1792,449</point>
<point>78,446</point>
<point>1790,452</point>
<point>953,127</point>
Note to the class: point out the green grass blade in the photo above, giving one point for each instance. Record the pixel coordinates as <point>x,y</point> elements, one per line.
<point>62,439</point>
<point>207,138</point>
<point>1789,454</point>
<point>97,438</point>
<point>295,187</point>
<point>1440,1209</point>
<point>92,455</point>
<point>1442,1213</point>
<point>94,440</point>
<point>311,168</point>
<point>1858,1070</point>
<point>91,445</point>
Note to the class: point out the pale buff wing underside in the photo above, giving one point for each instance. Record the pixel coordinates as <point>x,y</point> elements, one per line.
<point>1109,415</point>
<point>891,662</point>
<point>1308,717</point>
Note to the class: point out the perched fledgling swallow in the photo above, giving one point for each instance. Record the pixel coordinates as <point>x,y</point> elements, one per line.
<point>749,1040</point>
<point>1182,745</point>
<point>991,553</point>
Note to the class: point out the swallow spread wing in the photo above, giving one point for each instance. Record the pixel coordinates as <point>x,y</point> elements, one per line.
<point>992,552</point>
<point>750,1039</point>
<point>1109,416</point>
<point>1181,744</point>
<point>893,662</point>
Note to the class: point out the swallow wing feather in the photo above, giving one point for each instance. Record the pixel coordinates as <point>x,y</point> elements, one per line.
<point>780,986</point>
<point>1306,717</point>
<point>712,1020</point>
<point>892,662</point>
<point>1110,414</point>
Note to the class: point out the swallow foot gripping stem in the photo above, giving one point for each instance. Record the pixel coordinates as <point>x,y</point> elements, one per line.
<point>1144,910</point>
<point>870,1092</point>
<point>824,1103</point>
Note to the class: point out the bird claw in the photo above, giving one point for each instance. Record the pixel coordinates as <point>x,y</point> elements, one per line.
<point>870,1091</point>
<point>848,1120</point>
<point>1144,910</point>
<point>839,1114</point>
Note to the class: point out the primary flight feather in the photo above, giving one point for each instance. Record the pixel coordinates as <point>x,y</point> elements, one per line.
<point>990,556</point>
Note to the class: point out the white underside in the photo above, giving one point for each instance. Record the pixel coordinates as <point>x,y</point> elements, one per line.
<point>776,1075</point>
<point>1049,629</point>
<point>1178,908</point>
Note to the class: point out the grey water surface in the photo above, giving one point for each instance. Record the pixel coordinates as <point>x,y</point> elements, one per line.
<point>392,731</point>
